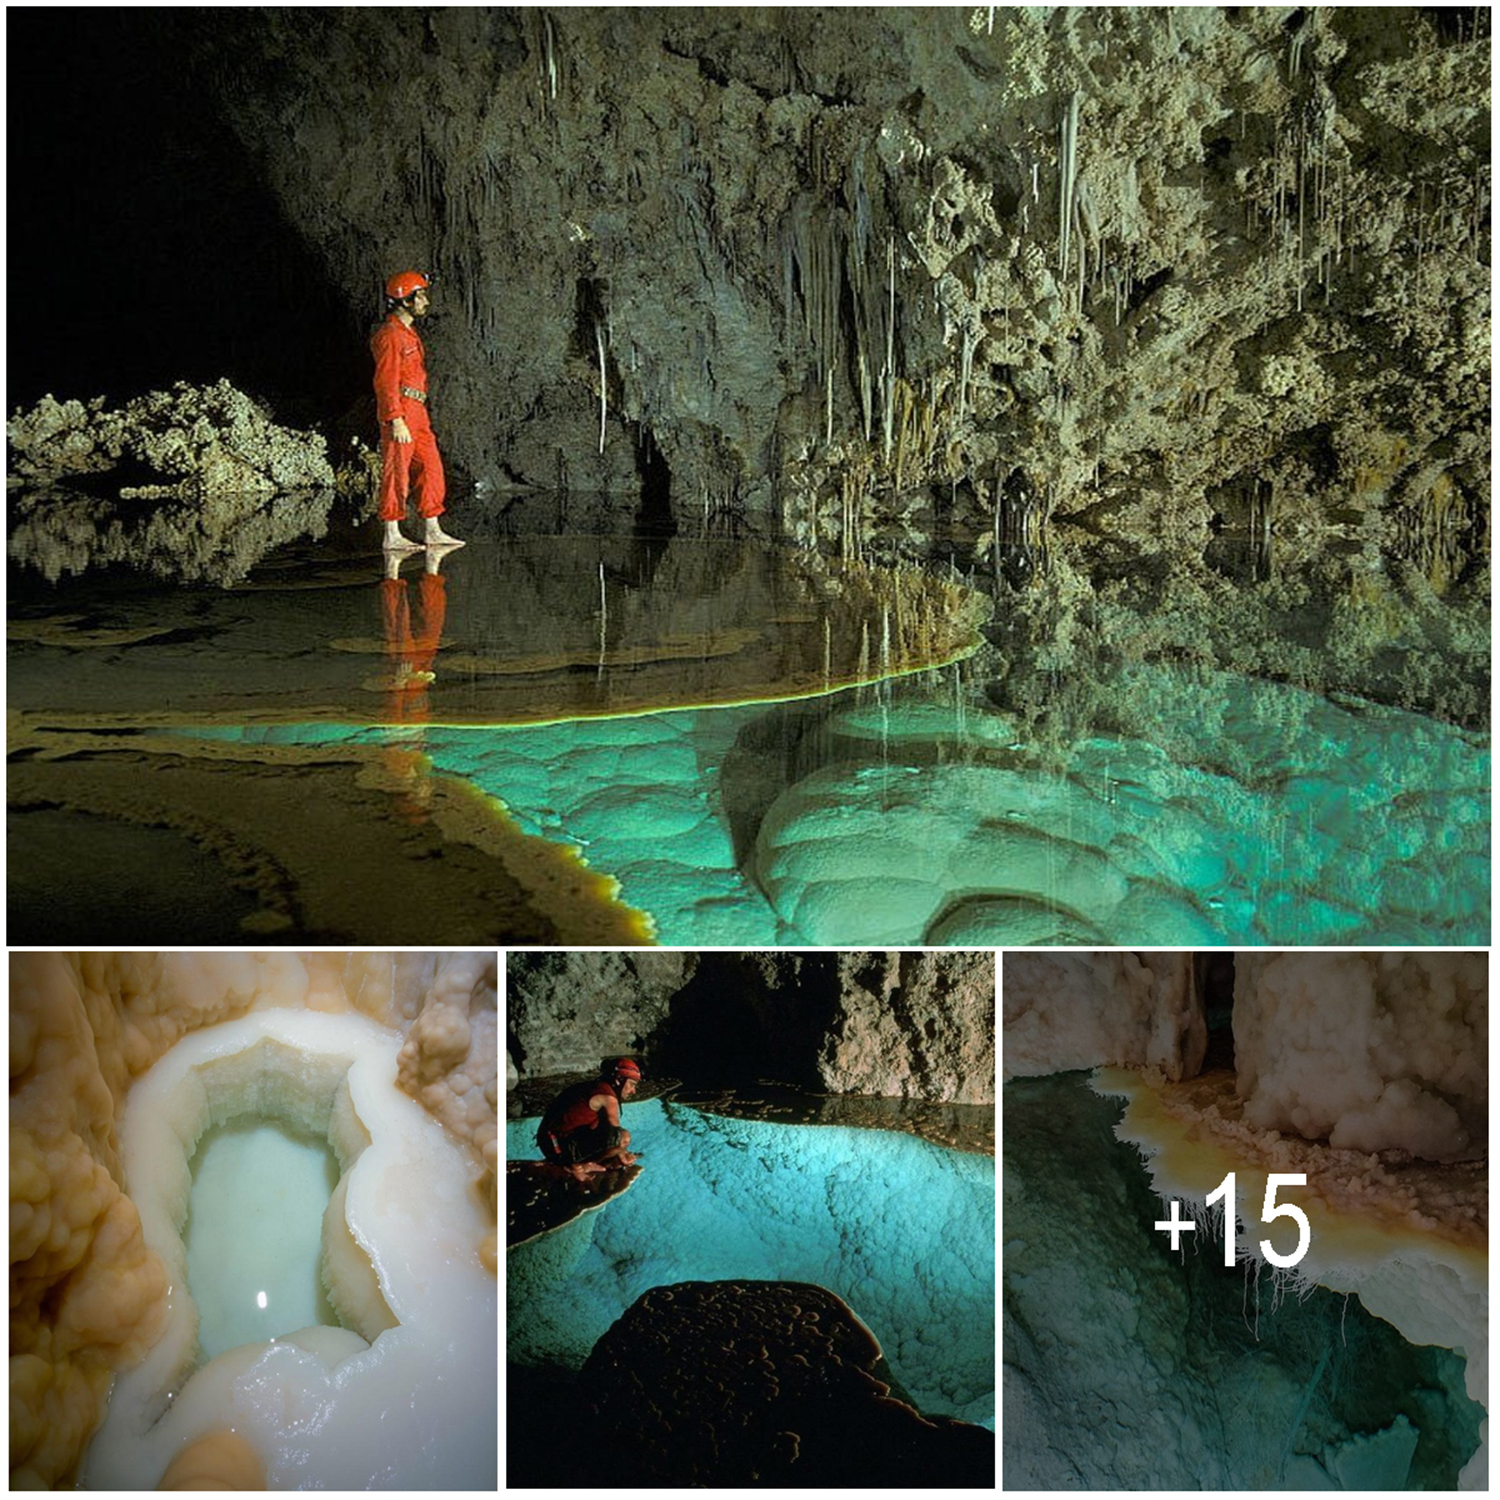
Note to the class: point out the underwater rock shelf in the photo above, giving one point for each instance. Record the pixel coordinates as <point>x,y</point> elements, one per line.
<point>733,1383</point>
<point>914,818</point>
<point>1269,820</point>
<point>528,630</point>
<point>154,838</point>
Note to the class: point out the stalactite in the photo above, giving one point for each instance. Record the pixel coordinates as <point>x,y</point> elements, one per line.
<point>603,384</point>
<point>889,374</point>
<point>1068,178</point>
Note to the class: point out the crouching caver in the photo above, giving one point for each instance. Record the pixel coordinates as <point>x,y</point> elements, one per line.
<point>581,1131</point>
<point>409,460</point>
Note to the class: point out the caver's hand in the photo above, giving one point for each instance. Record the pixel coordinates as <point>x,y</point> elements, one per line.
<point>399,430</point>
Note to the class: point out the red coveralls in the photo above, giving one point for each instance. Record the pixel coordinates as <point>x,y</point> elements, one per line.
<point>401,365</point>
<point>411,653</point>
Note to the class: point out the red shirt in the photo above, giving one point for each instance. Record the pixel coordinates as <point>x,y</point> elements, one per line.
<point>400,359</point>
<point>570,1111</point>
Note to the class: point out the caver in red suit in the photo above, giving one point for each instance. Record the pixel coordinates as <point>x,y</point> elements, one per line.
<point>401,391</point>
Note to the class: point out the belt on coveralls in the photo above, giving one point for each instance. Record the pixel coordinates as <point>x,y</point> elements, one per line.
<point>412,395</point>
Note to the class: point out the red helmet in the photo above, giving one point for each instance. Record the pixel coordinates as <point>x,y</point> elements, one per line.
<point>627,1067</point>
<point>405,283</point>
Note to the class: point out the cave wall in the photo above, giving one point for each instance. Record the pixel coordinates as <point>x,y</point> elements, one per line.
<point>1087,1010</point>
<point>1147,264</point>
<point>908,1025</point>
<point>1371,1051</point>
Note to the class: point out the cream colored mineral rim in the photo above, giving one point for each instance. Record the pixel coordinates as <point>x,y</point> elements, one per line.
<point>347,1408</point>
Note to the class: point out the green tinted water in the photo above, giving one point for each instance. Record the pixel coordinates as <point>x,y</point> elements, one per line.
<point>254,1228</point>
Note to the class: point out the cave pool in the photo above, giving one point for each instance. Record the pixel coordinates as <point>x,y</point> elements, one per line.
<point>756,745</point>
<point>254,1230</point>
<point>901,1229</point>
<point>1214,1377</point>
<point>900,813</point>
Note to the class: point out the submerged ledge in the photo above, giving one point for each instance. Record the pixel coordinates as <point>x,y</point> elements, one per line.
<point>307,843</point>
<point>525,631</point>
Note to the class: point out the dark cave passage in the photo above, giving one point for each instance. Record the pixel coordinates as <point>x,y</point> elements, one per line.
<point>146,244</point>
<point>1216,975</point>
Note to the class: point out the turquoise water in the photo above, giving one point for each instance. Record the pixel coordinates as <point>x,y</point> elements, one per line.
<point>902,1230</point>
<point>1231,810</point>
<point>1213,1378</point>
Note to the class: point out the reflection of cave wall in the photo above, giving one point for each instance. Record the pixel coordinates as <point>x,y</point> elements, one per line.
<point>1111,228</point>
<point>916,1025</point>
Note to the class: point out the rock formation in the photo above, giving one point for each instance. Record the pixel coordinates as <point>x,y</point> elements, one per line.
<point>200,441</point>
<point>1139,264</point>
<point>916,1025</point>
<point>1065,1011</point>
<point>87,1295</point>
<point>735,1383</point>
<point>1371,1051</point>
<point>235,484</point>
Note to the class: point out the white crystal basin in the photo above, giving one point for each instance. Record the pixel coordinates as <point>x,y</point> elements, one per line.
<point>401,1395</point>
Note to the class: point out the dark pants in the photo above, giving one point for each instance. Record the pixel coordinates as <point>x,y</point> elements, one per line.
<point>579,1145</point>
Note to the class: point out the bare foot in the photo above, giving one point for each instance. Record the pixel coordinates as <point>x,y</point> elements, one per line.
<point>437,537</point>
<point>399,543</point>
<point>583,1170</point>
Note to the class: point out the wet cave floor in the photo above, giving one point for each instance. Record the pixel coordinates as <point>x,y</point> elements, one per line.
<point>896,1229</point>
<point>621,738</point>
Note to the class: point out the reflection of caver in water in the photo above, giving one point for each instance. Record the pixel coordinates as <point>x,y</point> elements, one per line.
<point>581,1130</point>
<point>412,656</point>
<point>412,653</point>
<point>409,458</point>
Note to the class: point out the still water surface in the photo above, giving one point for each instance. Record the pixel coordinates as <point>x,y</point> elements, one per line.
<point>765,747</point>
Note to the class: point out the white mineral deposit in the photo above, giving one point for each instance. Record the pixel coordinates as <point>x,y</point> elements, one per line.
<point>253,1237</point>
